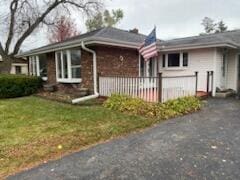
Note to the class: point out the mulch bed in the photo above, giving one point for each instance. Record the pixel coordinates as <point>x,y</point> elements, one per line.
<point>67,98</point>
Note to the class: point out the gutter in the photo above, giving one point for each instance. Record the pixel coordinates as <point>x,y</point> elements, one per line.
<point>96,94</point>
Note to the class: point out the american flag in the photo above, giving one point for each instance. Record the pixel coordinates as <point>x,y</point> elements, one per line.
<point>149,48</point>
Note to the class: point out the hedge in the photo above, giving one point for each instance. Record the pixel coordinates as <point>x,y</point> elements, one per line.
<point>165,110</point>
<point>18,85</point>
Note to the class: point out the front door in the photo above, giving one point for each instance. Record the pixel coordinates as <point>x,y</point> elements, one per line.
<point>223,70</point>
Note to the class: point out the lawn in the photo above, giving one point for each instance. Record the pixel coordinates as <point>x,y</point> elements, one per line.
<point>34,130</point>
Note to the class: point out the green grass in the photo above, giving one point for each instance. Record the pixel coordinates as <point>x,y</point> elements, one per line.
<point>31,129</point>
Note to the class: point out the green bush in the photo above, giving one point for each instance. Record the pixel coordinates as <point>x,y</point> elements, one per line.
<point>165,110</point>
<point>18,85</point>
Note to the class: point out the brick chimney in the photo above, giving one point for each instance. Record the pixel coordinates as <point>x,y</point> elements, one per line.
<point>135,30</point>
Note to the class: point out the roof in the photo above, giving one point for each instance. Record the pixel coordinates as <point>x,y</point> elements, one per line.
<point>229,38</point>
<point>104,35</point>
<point>123,38</point>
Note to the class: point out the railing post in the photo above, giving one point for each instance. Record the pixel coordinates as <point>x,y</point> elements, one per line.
<point>212,72</point>
<point>208,74</point>
<point>196,86</point>
<point>160,87</point>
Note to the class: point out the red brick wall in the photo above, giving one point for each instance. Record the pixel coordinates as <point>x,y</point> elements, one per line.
<point>110,61</point>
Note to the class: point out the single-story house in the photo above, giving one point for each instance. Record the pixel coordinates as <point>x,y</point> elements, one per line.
<point>75,63</point>
<point>19,66</point>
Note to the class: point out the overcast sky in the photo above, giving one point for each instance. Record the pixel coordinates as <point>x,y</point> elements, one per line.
<point>173,18</point>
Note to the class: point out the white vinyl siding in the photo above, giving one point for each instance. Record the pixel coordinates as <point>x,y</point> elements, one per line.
<point>232,68</point>
<point>24,68</point>
<point>200,60</point>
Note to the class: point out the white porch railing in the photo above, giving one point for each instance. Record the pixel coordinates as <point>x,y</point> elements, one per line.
<point>141,87</point>
<point>151,89</point>
<point>178,86</point>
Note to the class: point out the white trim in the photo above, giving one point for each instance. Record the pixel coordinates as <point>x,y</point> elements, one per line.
<point>215,70</point>
<point>37,65</point>
<point>19,64</point>
<point>77,43</point>
<point>237,69</point>
<point>196,46</point>
<point>175,68</point>
<point>69,79</point>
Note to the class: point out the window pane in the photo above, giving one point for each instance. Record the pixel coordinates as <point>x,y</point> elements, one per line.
<point>76,72</point>
<point>163,60</point>
<point>75,57</point>
<point>65,65</point>
<point>59,65</point>
<point>174,60</point>
<point>185,59</point>
<point>43,65</point>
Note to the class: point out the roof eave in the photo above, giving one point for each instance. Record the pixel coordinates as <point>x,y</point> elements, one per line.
<point>77,43</point>
<point>197,46</point>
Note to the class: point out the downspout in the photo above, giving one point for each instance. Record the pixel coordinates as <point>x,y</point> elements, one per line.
<point>96,94</point>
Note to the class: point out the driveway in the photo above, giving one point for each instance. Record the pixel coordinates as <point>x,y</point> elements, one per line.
<point>203,145</point>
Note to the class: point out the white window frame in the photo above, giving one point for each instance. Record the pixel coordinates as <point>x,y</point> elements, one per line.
<point>69,79</point>
<point>180,67</point>
<point>35,70</point>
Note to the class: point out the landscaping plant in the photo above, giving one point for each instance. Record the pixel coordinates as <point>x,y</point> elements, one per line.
<point>18,85</point>
<point>165,110</point>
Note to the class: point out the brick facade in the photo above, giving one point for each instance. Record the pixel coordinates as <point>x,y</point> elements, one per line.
<point>51,68</point>
<point>111,61</point>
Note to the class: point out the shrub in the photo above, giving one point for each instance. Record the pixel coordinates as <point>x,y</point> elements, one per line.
<point>165,110</point>
<point>18,85</point>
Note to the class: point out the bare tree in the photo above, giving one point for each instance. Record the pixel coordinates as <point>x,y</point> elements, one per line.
<point>24,17</point>
<point>63,29</point>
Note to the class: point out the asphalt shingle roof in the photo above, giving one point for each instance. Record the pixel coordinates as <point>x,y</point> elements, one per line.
<point>117,35</point>
<point>231,37</point>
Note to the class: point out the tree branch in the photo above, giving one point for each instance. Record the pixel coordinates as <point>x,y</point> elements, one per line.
<point>13,9</point>
<point>1,49</point>
<point>34,26</point>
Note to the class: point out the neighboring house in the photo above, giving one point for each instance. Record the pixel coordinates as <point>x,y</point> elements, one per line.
<point>19,66</point>
<point>71,63</point>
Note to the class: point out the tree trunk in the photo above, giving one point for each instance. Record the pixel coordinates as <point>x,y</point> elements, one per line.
<point>6,64</point>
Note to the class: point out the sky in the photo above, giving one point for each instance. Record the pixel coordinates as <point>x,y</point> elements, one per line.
<point>173,18</point>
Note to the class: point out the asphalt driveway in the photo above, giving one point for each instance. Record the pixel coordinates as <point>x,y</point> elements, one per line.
<point>203,145</point>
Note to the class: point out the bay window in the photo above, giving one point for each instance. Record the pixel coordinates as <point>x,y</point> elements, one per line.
<point>175,60</point>
<point>68,66</point>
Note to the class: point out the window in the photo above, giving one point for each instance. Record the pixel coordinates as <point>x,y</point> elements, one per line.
<point>38,66</point>
<point>174,60</point>
<point>18,70</point>
<point>68,64</point>
<point>75,63</point>
<point>43,66</point>
<point>185,59</point>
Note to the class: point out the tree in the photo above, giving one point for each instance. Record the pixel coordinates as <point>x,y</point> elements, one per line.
<point>21,18</point>
<point>62,30</point>
<point>221,27</point>
<point>105,19</point>
<point>209,25</point>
